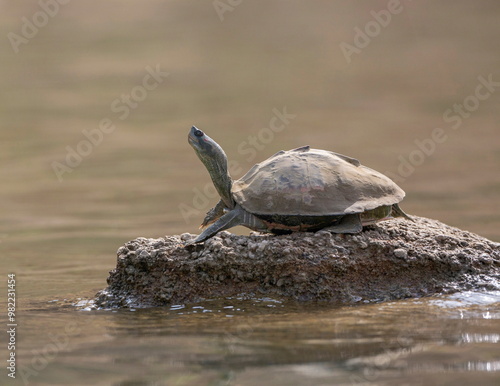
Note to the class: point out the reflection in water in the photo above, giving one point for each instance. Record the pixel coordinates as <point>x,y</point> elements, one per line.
<point>479,338</point>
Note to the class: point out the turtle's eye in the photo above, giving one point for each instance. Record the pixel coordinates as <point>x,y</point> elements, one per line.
<point>198,133</point>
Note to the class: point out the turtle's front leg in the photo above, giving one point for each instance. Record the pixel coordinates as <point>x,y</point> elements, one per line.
<point>214,214</point>
<point>228,220</point>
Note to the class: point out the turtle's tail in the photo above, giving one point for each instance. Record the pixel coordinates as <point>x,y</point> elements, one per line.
<point>398,212</point>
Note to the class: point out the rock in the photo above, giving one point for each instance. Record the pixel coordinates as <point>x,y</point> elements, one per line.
<point>401,253</point>
<point>392,259</point>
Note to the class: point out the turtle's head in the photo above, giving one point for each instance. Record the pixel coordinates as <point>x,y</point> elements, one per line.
<point>215,160</point>
<point>204,145</point>
<point>209,151</point>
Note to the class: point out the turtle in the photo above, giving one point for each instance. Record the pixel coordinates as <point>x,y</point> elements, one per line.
<point>303,189</point>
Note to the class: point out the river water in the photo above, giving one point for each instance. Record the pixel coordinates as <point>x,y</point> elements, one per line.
<point>96,103</point>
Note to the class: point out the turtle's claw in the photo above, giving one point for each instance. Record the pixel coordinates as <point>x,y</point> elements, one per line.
<point>190,243</point>
<point>204,224</point>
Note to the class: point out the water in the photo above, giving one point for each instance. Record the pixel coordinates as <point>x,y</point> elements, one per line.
<point>433,341</point>
<point>229,78</point>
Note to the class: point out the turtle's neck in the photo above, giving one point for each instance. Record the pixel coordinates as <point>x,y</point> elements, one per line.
<point>216,164</point>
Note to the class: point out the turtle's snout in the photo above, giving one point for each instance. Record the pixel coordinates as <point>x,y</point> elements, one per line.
<point>193,136</point>
<point>195,132</point>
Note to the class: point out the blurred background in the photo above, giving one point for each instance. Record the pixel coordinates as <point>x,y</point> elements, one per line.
<point>362,78</point>
<point>230,68</point>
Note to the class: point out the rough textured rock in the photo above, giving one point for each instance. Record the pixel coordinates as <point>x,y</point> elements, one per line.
<point>390,260</point>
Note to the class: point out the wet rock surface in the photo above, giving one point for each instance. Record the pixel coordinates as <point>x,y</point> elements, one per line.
<point>393,259</point>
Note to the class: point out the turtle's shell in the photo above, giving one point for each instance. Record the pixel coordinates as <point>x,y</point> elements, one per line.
<point>312,182</point>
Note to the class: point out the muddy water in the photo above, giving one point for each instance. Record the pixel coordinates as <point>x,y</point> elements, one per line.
<point>89,90</point>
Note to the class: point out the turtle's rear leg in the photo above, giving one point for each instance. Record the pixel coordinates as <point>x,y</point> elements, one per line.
<point>398,212</point>
<point>350,223</point>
